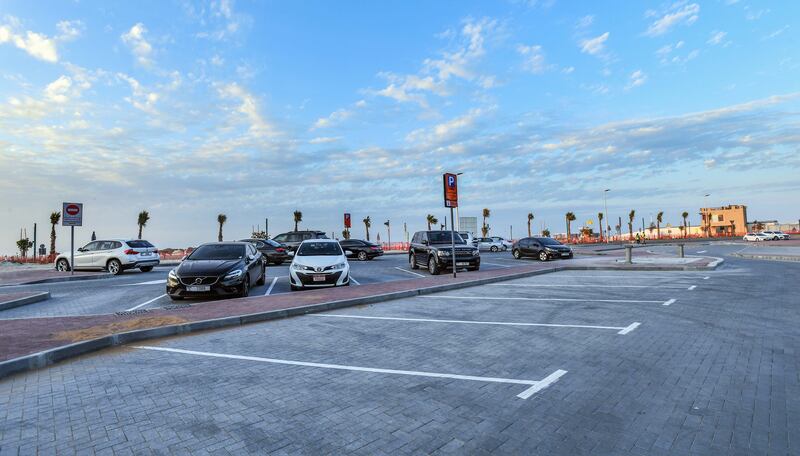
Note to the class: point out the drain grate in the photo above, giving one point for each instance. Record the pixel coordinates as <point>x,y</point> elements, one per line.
<point>131,312</point>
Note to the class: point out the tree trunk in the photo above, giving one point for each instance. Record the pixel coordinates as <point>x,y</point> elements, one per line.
<point>219,236</point>
<point>52,240</point>
<point>658,229</point>
<point>295,225</point>
<point>140,231</point>
<point>367,228</point>
<point>568,231</point>
<point>529,228</point>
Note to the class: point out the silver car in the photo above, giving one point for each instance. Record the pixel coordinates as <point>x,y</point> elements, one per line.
<point>490,244</point>
<point>113,255</point>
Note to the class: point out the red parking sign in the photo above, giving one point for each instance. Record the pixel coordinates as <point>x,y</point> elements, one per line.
<point>347,220</point>
<point>450,190</point>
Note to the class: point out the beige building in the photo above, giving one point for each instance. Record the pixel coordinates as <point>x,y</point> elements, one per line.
<point>724,221</point>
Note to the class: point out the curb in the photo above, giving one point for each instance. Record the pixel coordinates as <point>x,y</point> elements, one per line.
<point>59,279</point>
<point>5,305</point>
<point>54,355</point>
<point>756,256</point>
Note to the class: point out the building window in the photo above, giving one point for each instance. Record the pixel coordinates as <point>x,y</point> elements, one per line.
<point>720,218</point>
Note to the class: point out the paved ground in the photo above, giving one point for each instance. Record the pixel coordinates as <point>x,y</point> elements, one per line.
<point>712,368</point>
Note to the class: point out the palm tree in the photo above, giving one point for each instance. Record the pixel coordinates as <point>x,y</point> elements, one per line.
<point>24,244</point>
<point>569,216</point>
<point>659,219</point>
<point>685,216</point>
<point>431,221</point>
<point>600,222</point>
<point>631,216</point>
<point>546,232</point>
<point>367,223</point>
<point>298,217</point>
<point>733,228</point>
<point>346,233</point>
<point>55,217</point>
<point>530,219</point>
<point>485,228</point>
<point>144,217</point>
<point>221,219</point>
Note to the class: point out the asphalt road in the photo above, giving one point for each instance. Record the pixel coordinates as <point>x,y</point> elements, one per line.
<point>570,363</point>
<point>143,290</point>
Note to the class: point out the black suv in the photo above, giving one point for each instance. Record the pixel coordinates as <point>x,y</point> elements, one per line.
<point>543,248</point>
<point>293,239</point>
<point>434,249</point>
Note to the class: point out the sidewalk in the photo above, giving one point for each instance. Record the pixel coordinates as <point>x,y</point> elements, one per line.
<point>36,342</point>
<point>27,276</point>
<point>773,250</point>
<point>11,300</point>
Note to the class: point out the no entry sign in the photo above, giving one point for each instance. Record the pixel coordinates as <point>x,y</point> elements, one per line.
<point>72,214</point>
<point>450,190</point>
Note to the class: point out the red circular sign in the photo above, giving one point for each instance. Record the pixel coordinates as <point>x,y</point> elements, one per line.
<point>73,209</point>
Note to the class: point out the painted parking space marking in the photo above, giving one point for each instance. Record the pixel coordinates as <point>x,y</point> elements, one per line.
<point>495,264</point>
<point>580,285</point>
<point>668,302</point>
<point>146,303</point>
<point>495,298</point>
<point>271,286</point>
<point>410,272</point>
<point>706,278</point>
<point>535,385</point>
<point>622,276</point>
<point>150,282</point>
<point>620,329</point>
<point>702,251</point>
<point>353,279</point>
<point>692,287</point>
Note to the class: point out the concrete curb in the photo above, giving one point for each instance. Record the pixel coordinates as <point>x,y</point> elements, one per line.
<point>757,256</point>
<point>54,355</point>
<point>59,279</point>
<point>24,301</point>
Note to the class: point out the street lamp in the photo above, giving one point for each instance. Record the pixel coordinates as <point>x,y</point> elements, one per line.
<point>707,215</point>
<point>605,204</point>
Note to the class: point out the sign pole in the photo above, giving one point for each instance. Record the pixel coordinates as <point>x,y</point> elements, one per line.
<point>72,250</point>
<point>453,241</point>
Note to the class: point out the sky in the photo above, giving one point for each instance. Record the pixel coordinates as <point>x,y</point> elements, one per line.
<point>256,109</point>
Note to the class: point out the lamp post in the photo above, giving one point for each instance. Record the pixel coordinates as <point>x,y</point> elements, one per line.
<point>707,215</point>
<point>605,216</point>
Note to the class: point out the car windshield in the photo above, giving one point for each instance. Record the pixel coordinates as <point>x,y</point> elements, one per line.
<point>319,249</point>
<point>218,252</point>
<point>443,237</point>
<point>272,243</point>
<point>549,241</point>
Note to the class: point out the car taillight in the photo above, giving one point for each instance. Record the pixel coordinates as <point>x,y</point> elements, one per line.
<point>375,247</point>
<point>280,249</point>
<point>131,252</point>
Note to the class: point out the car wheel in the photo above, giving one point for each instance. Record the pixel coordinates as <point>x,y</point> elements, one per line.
<point>146,268</point>
<point>433,268</point>
<point>412,260</point>
<point>493,248</point>
<point>542,256</point>
<point>62,265</point>
<point>114,267</point>
<point>245,287</point>
<point>362,256</point>
<point>517,254</point>
<point>263,278</point>
<point>176,298</point>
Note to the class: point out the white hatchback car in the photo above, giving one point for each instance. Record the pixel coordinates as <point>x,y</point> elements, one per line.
<point>114,256</point>
<point>319,263</point>
<point>755,237</point>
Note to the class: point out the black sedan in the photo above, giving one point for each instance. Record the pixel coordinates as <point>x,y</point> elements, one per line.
<point>274,252</point>
<point>543,248</point>
<point>217,269</point>
<point>363,250</point>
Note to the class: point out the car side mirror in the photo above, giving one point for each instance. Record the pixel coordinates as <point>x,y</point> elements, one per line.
<point>81,249</point>
<point>424,242</point>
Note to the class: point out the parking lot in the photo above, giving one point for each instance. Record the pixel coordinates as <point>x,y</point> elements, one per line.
<point>578,362</point>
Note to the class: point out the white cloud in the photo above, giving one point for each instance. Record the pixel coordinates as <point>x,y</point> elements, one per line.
<point>585,21</point>
<point>334,118</point>
<point>710,163</point>
<point>636,79</point>
<point>58,90</point>
<point>594,46</point>
<point>69,30</point>
<point>776,33</point>
<point>445,131</point>
<point>216,60</point>
<point>35,44</point>
<point>325,140</point>
<point>248,107</point>
<point>534,58</point>
<point>716,38</point>
<point>141,98</point>
<point>676,14</point>
<point>140,47</point>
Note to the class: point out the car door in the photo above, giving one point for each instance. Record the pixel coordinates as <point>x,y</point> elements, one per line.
<point>253,263</point>
<point>349,247</point>
<point>84,255</point>
<point>422,249</point>
<point>102,253</point>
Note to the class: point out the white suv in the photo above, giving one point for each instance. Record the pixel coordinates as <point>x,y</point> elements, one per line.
<point>114,256</point>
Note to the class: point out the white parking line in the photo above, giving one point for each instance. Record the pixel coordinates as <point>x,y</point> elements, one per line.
<point>151,282</point>
<point>666,303</point>
<point>146,303</point>
<point>619,276</point>
<point>353,279</point>
<point>410,272</point>
<point>627,329</point>
<point>702,251</point>
<point>692,287</point>
<point>535,285</point>
<point>271,286</point>
<point>495,264</point>
<point>535,386</point>
<point>706,278</point>
<point>494,298</point>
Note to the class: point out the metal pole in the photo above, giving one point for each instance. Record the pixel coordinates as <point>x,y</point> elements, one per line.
<point>453,241</point>
<point>72,250</point>
<point>35,246</point>
<point>458,220</point>
<point>266,227</point>
<point>605,216</point>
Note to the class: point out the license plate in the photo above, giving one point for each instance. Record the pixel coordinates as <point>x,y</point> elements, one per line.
<point>462,263</point>
<point>319,278</point>
<point>146,254</point>
<point>565,254</point>
<point>198,288</point>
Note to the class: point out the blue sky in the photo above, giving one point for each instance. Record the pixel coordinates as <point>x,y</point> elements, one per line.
<point>254,109</point>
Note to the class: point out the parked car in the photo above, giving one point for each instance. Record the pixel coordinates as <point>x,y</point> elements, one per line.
<point>363,250</point>
<point>217,269</point>
<point>468,238</point>
<point>755,237</point>
<point>489,244</point>
<point>783,235</point>
<point>775,235</point>
<point>274,252</point>
<point>319,263</point>
<point>434,250</point>
<point>506,244</point>
<point>293,239</point>
<point>543,248</point>
<point>113,255</point>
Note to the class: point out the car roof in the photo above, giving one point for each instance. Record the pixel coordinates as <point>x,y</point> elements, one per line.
<point>225,243</point>
<point>320,240</point>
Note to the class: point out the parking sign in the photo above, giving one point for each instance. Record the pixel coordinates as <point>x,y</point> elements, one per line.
<point>450,190</point>
<point>72,214</point>
<point>347,220</point>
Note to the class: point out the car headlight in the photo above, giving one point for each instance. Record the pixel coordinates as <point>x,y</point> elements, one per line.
<point>298,267</point>
<point>233,275</point>
<point>476,252</point>
<point>172,274</point>
<point>339,266</point>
